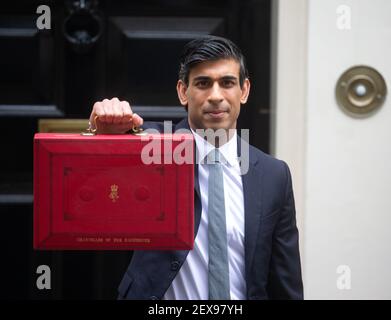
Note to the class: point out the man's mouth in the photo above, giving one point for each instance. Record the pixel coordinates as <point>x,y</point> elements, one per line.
<point>216,114</point>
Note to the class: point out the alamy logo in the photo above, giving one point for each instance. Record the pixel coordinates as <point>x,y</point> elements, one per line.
<point>344,17</point>
<point>44,20</point>
<point>44,280</point>
<point>183,152</point>
<point>344,281</point>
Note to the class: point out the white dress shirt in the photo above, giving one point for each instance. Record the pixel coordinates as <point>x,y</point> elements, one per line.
<point>191,282</point>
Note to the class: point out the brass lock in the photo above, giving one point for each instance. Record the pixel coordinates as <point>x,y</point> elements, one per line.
<point>361,90</point>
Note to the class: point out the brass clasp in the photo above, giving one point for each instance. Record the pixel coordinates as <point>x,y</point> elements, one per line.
<point>92,131</point>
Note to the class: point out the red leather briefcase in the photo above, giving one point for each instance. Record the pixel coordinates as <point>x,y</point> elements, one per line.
<point>99,193</point>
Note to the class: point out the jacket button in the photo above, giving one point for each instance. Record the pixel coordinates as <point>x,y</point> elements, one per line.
<point>174,265</point>
<point>153,298</point>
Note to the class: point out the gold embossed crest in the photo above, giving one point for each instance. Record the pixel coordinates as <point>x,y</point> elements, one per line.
<point>114,193</point>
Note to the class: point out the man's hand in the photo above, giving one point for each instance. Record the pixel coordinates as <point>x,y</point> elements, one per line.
<point>114,117</point>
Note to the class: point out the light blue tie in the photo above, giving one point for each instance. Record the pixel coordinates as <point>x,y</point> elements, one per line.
<point>217,231</point>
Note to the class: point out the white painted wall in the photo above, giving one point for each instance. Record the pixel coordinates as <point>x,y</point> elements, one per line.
<point>344,162</point>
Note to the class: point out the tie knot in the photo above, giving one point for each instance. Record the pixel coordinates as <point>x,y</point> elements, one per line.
<point>215,156</point>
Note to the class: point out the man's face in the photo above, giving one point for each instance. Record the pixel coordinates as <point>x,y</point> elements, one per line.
<point>214,95</point>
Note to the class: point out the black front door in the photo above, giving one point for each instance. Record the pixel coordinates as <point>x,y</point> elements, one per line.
<point>94,50</point>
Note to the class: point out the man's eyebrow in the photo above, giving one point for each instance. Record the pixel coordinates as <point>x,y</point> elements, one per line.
<point>202,78</point>
<point>228,77</point>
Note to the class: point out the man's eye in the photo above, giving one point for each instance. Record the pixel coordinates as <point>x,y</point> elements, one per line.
<point>228,83</point>
<point>202,83</point>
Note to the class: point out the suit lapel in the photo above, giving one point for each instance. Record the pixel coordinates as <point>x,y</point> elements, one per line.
<point>252,194</point>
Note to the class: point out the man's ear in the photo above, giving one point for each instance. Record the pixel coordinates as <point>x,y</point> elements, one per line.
<point>245,91</point>
<point>181,90</point>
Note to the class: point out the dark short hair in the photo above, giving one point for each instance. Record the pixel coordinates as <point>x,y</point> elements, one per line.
<point>209,48</point>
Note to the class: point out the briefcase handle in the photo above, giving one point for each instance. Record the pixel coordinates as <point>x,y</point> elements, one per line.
<point>92,131</point>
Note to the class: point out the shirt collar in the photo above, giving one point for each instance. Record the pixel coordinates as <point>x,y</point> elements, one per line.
<point>229,150</point>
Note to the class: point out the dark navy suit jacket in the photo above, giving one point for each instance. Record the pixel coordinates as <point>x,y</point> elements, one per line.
<point>272,260</point>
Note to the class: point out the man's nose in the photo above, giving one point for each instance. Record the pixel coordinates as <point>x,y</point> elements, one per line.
<point>215,95</point>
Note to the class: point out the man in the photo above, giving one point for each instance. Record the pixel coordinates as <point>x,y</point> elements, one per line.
<point>258,256</point>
